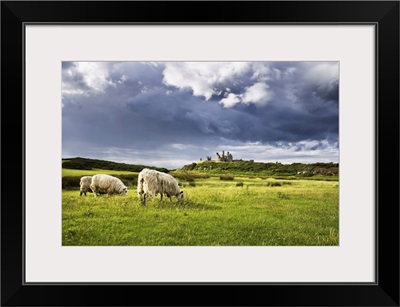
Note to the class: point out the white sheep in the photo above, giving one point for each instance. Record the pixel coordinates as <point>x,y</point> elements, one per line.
<point>106,184</point>
<point>152,182</point>
<point>85,185</point>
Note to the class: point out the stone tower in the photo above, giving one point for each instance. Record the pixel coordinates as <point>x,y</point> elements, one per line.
<point>224,158</point>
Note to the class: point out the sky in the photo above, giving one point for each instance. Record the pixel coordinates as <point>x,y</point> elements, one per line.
<point>169,114</point>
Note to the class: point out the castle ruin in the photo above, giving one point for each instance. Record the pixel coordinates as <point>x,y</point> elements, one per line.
<point>224,158</point>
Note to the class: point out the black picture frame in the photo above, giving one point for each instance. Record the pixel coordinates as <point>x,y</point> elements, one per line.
<point>383,14</point>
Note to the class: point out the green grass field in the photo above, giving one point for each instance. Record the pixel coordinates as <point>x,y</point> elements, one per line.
<point>77,172</point>
<point>245,211</point>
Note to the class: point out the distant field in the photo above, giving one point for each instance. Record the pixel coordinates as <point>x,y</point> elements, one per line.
<point>237,211</point>
<point>77,172</point>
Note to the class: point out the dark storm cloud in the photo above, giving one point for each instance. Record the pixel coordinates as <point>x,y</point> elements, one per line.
<point>73,82</point>
<point>181,115</point>
<point>166,110</point>
<point>66,65</point>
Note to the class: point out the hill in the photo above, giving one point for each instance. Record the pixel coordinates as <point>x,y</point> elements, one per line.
<point>239,167</point>
<point>268,169</point>
<point>89,164</point>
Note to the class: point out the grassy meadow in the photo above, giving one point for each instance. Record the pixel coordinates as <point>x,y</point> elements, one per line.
<point>77,172</point>
<point>218,210</point>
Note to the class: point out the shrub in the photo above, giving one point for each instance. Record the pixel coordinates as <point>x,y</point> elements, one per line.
<point>127,179</point>
<point>239,184</point>
<point>192,184</point>
<point>226,177</point>
<point>189,176</point>
<point>70,182</point>
<point>274,184</point>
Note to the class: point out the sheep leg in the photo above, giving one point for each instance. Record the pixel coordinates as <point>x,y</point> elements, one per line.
<point>93,190</point>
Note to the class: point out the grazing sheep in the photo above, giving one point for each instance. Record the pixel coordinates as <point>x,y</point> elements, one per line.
<point>106,184</point>
<point>85,184</point>
<point>152,182</point>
